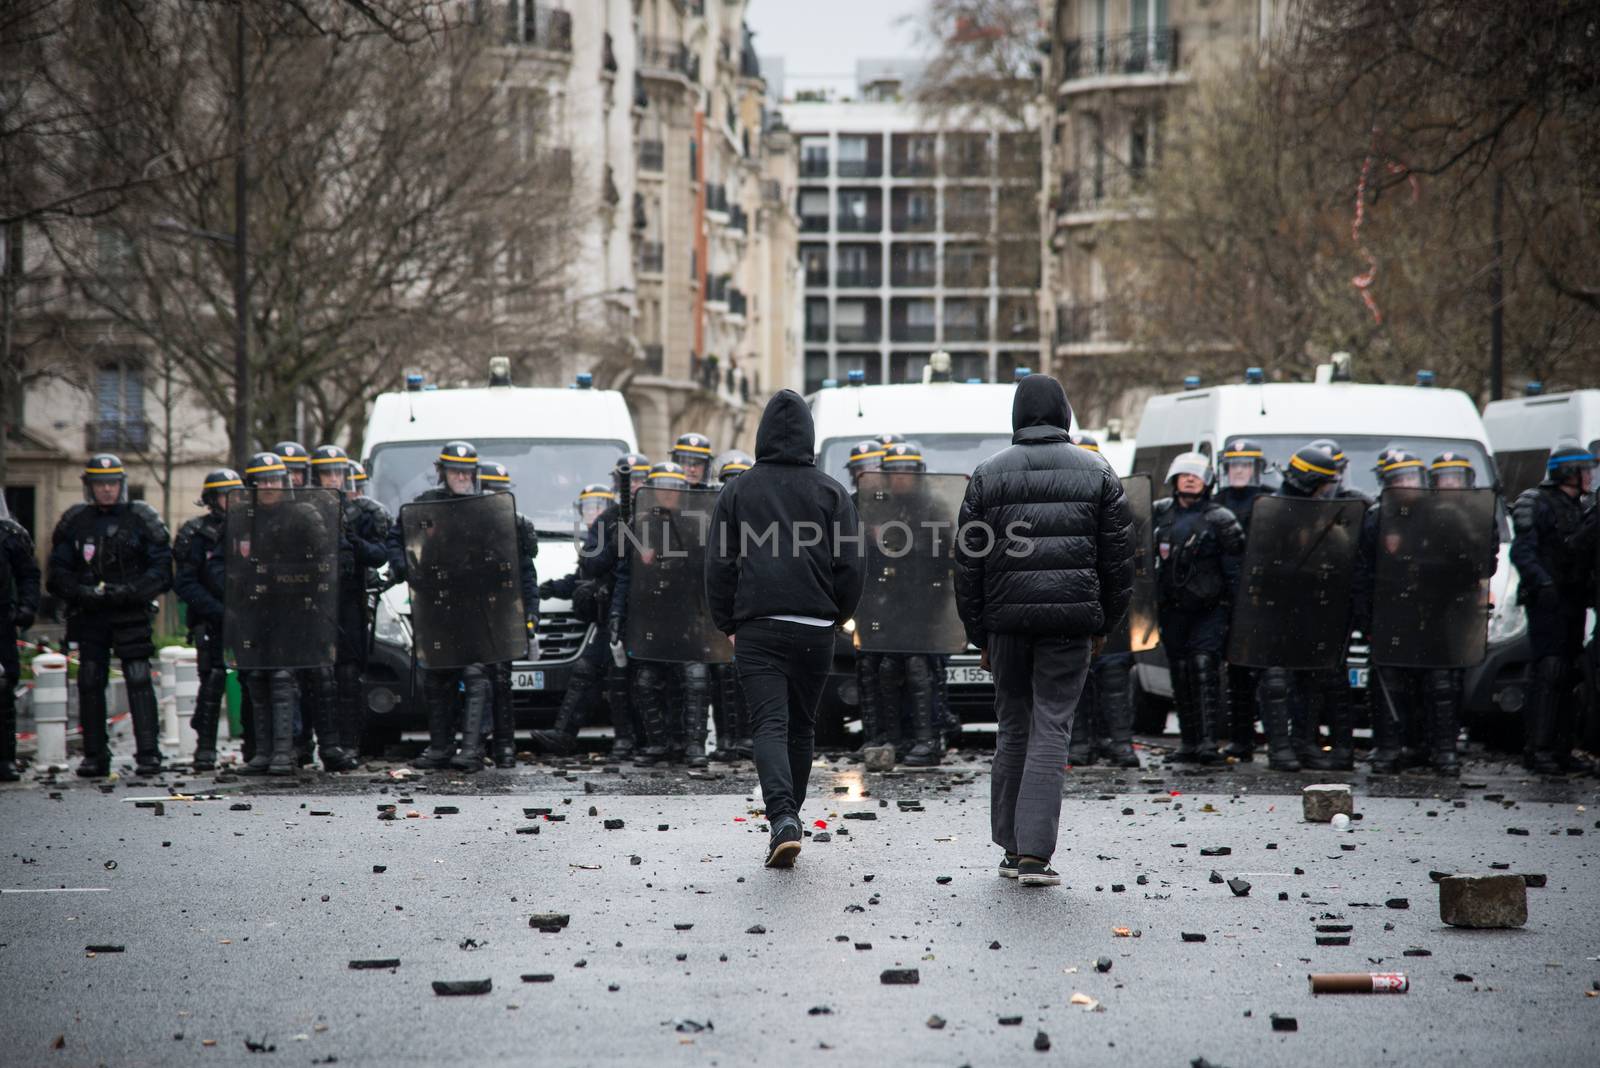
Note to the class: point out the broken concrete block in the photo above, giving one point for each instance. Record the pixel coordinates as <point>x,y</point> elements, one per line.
<point>1323,801</point>
<point>878,757</point>
<point>549,919</point>
<point>1483,900</point>
<point>900,977</point>
<point>462,987</point>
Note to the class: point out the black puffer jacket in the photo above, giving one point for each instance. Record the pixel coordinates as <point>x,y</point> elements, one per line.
<point>1046,542</point>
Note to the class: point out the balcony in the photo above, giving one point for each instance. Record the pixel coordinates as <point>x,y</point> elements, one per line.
<point>550,29</point>
<point>1115,55</point>
<point>652,156</point>
<point>902,331</point>
<point>965,330</point>
<point>651,257</point>
<point>717,198</point>
<point>860,168</point>
<point>813,224</point>
<point>122,435</point>
<point>658,54</point>
<point>738,219</point>
<point>654,358</point>
<point>814,166</point>
<point>913,277</point>
<point>863,278</point>
<point>859,224</point>
<point>816,331</point>
<point>914,167</point>
<point>856,333</point>
<point>738,303</point>
<point>966,222</point>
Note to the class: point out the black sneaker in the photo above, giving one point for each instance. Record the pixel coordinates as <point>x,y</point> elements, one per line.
<point>785,844</point>
<point>1008,866</point>
<point>1036,873</point>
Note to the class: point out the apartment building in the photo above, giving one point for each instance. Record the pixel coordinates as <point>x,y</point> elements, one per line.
<point>1117,71</point>
<point>913,238</point>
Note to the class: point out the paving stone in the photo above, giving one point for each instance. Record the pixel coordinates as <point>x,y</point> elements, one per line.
<point>1323,801</point>
<point>1483,900</point>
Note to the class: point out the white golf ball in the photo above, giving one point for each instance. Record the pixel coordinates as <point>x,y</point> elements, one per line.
<point>1340,821</point>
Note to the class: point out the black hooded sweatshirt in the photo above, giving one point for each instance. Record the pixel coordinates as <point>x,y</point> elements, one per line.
<point>1046,543</point>
<point>776,527</point>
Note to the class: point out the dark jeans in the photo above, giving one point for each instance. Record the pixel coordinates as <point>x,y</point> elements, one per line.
<point>782,667</point>
<point>1037,682</point>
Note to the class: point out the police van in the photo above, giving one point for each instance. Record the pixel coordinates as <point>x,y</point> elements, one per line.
<point>1523,430</point>
<point>958,425</point>
<point>554,442</point>
<point>1365,419</point>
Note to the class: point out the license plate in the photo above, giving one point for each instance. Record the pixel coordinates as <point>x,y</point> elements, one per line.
<point>1358,677</point>
<point>965,675</point>
<point>527,680</point>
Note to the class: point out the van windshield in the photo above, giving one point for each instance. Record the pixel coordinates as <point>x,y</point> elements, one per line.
<point>943,453</point>
<point>546,474</point>
<point>1362,452</point>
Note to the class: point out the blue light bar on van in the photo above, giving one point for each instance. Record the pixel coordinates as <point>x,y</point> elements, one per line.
<point>857,377</point>
<point>1533,389</point>
<point>1191,382</point>
<point>430,387</point>
<point>1253,376</point>
<point>1020,373</point>
<point>1425,379</point>
<point>830,383</point>
<point>585,380</point>
<point>974,381</point>
<point>413,382</point>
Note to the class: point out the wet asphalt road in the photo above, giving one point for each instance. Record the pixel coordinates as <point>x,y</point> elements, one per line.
<point>239,926</point>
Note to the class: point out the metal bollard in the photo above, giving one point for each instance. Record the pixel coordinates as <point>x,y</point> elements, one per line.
<point>167,693</point>
<point>50,710</point>
<point>188,672</point>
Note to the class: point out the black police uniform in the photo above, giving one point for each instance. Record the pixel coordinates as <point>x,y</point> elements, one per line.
<point>19,600</point>
<point>1199,549</point>
<point>1551,557</point>
<point>371,521</point>
<point>589,588</point>
<point>504,751</point>
<point>199,586</point>
<point>108,564</point>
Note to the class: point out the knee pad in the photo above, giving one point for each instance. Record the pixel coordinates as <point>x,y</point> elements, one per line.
<point>647,674</point>
<point>93,674</point>
<point>891,670</point>
<point>917,671</point>
<point>1275,684</point>
<point>1443,685</point>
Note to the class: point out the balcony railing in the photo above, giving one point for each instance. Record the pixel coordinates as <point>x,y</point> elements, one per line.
<point>913,276</point>
<point>662,54</point>
<point>813,166</point>
<point>549,28</point>
<point>858,332</point>
<point>652,258</point>
<point>816,331</point>
<point>866,278</point>
<point>859,224</point>
<point>957,277</point>
<point>817,279</point>
<point>123,435</point>
<point>904,223</point>
<point>914,167</point>
<point>912,331</point>
<point>813,224</point>
<point>652,155</point>
<point>967,222</point>
<point>860,168</point>
<point>1140,52</point>
<point>966,331</point>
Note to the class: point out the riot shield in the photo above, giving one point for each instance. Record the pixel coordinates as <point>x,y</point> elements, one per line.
<point>1293,606</point>
<point>281,568</point>
<point>1436,553</point>
<point>465,579</point>
<point>1139,631</point>
<point>908,523</point>
<point>668,615</point>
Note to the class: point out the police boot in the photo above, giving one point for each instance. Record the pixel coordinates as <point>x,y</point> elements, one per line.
<point>1188,708</point>
<point>475,703</point>
<point>675,715</point>
<point>651,704</point>
<point>1541,727</point>
<point>207,711</point>
<point>284,760</point>
<point>439,691</point>
<point>1080,747</point>
<point>247,721</point>
<point>721,715</point>
<point>505,721</point>
<point>8,731</point>
<point>892,704</point>
<point>624,739</point>
<point>1444,698</point>
<point>694,712</point>
<point>1273,702</point>
<point>1241,714</point>
<point>351,710</point>
<point>96,762</point>
<point>146,714</point>
<point>1206,672</point>
<point>324,693</point>
<point>1335,696</point>
<point>867,689</point>
<point>927,749</point>
<point>1116,709</point>
<point>562,738</point>
<point>1388,727</point>
<point>258,688</point>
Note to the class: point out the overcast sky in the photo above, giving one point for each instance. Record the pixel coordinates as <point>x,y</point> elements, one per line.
<point>820,40</point>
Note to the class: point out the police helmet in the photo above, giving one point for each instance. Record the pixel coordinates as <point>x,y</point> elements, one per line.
<point>1243,452</point>
<point>903,456</point>
<point>295,460</point>
<point>358,478</point>
<point>730,465</point>
<point>1394,464</point>
<point>890,439</point>
<point>1309,469</point>
<point>265,469</point>
<point>104,467</point>
<point>667,476</point>
<point>691,448</point>
<point>458,456</point>
<point>1568,459</point>
<point>1190,463</point>
<point>326,458</point>
<point>1451,470</point>
<point>1340,460</point>
<point>1087,441</point>
<point>217,484</point>
<point>592,500</point>
<point>494,477</point>
<point>865,455</point>
<point>630,470</point>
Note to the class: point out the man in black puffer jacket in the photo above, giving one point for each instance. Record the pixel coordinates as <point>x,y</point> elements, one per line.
<point>1044,570</point>
<point>783,568</point>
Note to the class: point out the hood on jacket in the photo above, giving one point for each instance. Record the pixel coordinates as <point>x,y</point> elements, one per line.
<point>1040,401</point>
<point>787,434</point>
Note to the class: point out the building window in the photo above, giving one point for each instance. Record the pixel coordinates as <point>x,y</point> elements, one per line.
<point>814,157</point>
<point>119,408</point>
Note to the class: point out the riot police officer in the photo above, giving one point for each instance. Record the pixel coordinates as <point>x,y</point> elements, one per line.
<point>728,715</point>
<point>19,600</point>
<point>866,456</point>
<point>199,541</point>
<point>692,452</point>
<point>1243,463</point>
<point>295,461</point>
<point>1199,547</point>
<point>109,559</point>
<point>496,478</point>
<point>1341,464</point>
<point>457,472</point>
<point>1552,558</point>
<point>358,482</point>
<point>905,680</point>
<point>1396,714</point>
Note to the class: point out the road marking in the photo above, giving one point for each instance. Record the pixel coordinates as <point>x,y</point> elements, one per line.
<point>63,890</point>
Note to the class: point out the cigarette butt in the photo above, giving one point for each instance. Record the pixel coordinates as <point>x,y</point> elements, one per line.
<point>1359,983</point>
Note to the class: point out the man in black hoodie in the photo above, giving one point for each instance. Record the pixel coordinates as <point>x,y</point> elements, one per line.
<point>783,568</point>
<point>1044,571</point>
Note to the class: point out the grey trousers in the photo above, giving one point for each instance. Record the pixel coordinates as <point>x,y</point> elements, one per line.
<point>1037,682</point>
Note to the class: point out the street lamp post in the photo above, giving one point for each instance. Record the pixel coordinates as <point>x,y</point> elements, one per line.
<point>241,245</point>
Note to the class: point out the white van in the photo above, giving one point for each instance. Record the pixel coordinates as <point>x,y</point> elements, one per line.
<point>554,442</point>
<point>1523,430</point>
<point>1364,419</point>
